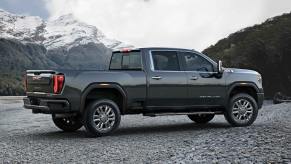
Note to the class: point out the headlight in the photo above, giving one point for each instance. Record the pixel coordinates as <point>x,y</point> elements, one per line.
<point>260,80</point>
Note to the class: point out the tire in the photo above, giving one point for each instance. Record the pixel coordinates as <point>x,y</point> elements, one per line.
<point>242,110</point>
<point>201,118</point>
<point>67,124</point>
<point>107,118</point>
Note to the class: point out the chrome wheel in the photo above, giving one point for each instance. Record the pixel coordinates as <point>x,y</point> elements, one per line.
<point>104,118</point>
<point>242,110</point>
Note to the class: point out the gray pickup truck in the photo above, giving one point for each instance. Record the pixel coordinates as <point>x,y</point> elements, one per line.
<point>148,81</point>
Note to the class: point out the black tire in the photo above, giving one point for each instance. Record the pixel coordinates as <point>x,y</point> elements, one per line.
<point>67,124</point>
<point>104,124</point>
<point>241,116</point>
<point>201,118</point>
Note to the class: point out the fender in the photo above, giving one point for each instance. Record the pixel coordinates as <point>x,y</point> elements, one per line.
<point>240,84</point>
<point>92,86</point>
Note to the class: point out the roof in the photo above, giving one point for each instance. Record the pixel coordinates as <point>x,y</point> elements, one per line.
<point>153,48</point>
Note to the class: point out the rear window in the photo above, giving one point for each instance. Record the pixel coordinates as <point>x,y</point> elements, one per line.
<point>165,60</point>
<point>126,61</point>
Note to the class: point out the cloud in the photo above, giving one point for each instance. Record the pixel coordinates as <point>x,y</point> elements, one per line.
<point>176,23</point>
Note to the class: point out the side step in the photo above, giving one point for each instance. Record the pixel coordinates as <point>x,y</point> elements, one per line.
<point>178,113</point>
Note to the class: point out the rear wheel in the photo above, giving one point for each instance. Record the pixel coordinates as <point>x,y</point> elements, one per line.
<point>242,110</point>
<point>101,118</point>
<point>201,118</point>
<point>67,123</point>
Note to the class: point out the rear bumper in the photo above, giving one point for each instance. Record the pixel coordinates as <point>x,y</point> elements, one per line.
<point>260,100</point>
<point>47,106</point>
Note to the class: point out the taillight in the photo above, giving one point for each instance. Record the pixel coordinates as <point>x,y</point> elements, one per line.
<point>58,83</point>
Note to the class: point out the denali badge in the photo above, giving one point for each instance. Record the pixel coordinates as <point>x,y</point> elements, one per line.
<point>36,77</point>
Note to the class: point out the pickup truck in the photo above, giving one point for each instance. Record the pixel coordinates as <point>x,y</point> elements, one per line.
<point>148,81</point>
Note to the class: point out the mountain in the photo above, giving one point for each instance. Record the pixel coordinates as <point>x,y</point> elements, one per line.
<point>28,42</point>
<point>66,31</point>
<point>22,28</point>
<point>70,43</point>
<point>76,45</point>
<point>265,47</point>
<point>17,57</point>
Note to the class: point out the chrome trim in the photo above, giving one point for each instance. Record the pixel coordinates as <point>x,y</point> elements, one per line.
<point>180,113</point>
<point>185,106</point>
<point>194,78</point>
<point>242,110</point>
<point>42,93</point>
<point>156,77</point>
<point>152,62</point>
<point>104,118</point>
<point>43,104</point>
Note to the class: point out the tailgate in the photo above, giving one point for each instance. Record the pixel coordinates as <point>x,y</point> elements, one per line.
<point>39,81</point>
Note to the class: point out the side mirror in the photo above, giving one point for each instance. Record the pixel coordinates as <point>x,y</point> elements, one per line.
<point>219,67</point>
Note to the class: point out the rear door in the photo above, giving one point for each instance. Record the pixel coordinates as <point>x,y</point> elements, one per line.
<point>130,61</point>
<point>167,83</point>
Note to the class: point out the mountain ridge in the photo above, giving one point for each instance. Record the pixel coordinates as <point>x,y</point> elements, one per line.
<point>265,48</point>
<point>65,31</point>
<point>28,42</point>
<point>66,43</point>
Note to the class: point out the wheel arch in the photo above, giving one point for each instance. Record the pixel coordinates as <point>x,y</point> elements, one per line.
<point>111,88</point>
<point>243,87</point>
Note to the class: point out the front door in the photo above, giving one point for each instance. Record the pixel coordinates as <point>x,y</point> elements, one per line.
<point>203,87</point>
<point>167,83</point>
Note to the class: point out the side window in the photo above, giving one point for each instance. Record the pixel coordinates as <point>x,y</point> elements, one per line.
<point>165,60</point>
<point>126,61</point>
<point>194,62</point>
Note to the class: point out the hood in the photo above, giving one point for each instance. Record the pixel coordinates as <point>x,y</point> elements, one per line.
<point>237,70</point>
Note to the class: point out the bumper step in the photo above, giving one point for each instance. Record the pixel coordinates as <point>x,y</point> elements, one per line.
<point>46,105</point>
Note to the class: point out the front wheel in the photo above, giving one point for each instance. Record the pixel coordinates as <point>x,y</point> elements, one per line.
<point>67,123</point>
<point>201,118</point>
<point>242,110</point>
<point>101,118</point>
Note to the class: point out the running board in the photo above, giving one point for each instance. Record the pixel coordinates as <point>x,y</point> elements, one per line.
<point>179,113</point>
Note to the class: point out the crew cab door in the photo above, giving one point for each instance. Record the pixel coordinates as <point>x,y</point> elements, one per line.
<point>167,84</point>
<point>204,87</point>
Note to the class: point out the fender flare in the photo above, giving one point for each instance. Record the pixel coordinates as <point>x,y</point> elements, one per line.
<point>241,84</point>
<point>92,86</point>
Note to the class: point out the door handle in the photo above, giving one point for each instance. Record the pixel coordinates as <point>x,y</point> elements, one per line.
<point>194,78</point>
<point>156,77</point>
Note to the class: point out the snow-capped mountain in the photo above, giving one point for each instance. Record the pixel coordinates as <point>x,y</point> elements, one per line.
<point>23,28</point>
<point>65,32</point>
<point>28,42</point>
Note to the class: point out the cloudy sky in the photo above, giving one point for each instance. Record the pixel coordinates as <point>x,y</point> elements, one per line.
<point>176,23</point>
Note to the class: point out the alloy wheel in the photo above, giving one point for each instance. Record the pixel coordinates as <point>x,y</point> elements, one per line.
<point>242,110</point>
<point>104,118</point>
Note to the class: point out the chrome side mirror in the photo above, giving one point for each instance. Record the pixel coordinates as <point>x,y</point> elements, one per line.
<point>219,67</point>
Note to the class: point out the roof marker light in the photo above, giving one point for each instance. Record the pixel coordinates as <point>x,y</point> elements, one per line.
<point>125,50</point>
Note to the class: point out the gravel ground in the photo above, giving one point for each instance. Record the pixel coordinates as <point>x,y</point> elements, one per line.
<point>33,138</point>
